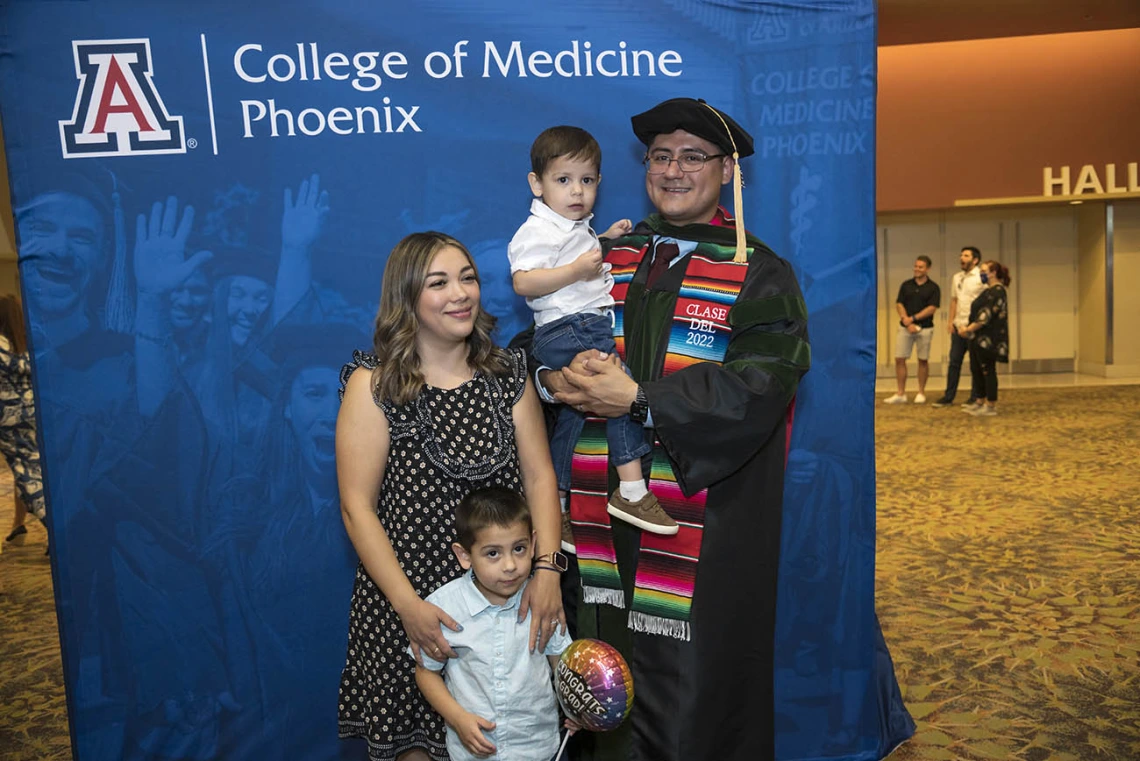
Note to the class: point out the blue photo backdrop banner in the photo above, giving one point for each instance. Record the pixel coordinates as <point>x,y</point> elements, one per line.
<point>205,195</point>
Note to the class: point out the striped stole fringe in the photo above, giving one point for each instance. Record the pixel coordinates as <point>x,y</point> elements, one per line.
<point>667,565</point>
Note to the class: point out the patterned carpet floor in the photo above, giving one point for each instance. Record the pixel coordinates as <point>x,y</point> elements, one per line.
<point>1008,568</point>
<point>33,710</point>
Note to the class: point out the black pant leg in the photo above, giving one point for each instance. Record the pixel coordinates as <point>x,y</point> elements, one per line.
<point>977,379</point>
<point>954,370</point>
<point>989,371</point>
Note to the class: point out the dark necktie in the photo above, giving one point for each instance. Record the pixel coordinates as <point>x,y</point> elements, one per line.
<point>665,253</point>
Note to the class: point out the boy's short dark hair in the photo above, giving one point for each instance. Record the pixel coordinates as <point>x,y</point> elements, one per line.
<point>925,260</point>
<point>572,142</point>
<point>493,506</point>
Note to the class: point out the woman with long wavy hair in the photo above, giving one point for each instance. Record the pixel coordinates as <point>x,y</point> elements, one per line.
<point>441,411</point>
<point>18,417</point>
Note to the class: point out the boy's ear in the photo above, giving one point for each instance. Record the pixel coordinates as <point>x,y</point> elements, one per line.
<point>535,183</point>
<point>462,555</point>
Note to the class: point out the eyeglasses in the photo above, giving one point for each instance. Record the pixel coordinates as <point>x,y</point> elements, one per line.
<point>658,163</point>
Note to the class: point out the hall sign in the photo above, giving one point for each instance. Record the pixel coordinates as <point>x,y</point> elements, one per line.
<point>1089,181</point>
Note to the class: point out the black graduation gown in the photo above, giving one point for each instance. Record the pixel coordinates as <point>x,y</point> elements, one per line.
<point>724,427</point>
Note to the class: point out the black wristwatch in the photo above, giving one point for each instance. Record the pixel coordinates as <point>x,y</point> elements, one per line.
<point>639,410</point>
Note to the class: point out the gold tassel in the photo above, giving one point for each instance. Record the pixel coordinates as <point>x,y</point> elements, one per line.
<point>737,192</point>
<point>738,209</point>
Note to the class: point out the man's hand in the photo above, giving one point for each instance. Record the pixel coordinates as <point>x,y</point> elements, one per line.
<point>470,728</point>
<point>618,229</point>
<point>913,328</point>
<point>578,364</point>
<point>589,265</point>
<point>599,385</point>
<point>553,381</point>
<point>907,321</point>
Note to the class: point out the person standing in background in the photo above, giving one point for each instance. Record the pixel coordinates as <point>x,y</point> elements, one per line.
<point>918,300</point>
<point>964,288</point>
<point>988,334</point>
<point>18,417</point>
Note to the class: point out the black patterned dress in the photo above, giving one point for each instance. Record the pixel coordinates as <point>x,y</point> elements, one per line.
<point>444,444</point>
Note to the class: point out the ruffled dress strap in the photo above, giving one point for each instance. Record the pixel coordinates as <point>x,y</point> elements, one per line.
<point>360,359</point>
<point>514,383</point>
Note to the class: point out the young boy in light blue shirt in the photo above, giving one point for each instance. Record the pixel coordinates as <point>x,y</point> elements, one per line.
<point>496,696</point>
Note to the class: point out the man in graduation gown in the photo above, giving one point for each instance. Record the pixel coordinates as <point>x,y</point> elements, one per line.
<point>714,332</point>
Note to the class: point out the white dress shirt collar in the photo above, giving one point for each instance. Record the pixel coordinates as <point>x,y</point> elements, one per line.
<point>539,208</point>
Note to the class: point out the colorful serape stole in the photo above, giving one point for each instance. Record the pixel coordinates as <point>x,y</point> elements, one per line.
<point>589,470</point>
<point>593,539</point>
<point>667,565</point>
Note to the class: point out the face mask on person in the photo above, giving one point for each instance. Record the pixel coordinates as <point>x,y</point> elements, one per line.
<point>985,278</point>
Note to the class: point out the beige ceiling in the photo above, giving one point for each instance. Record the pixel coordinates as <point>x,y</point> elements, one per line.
<point>910,21</point>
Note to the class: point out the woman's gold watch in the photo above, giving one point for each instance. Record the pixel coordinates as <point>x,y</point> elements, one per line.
<point>558,560</point>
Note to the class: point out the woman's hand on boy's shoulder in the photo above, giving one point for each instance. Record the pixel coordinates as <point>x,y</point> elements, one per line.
<point>422,621</point>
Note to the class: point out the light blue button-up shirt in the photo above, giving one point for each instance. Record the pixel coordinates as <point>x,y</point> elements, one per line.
<point>496,676</point>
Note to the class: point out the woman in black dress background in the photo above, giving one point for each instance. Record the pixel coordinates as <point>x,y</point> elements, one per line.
<point>988,334</point>
<point>18,417</point>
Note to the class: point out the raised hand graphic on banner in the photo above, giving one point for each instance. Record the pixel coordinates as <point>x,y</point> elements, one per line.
<point>160,249</point>
<point>302,222</point>
<point>160,267</point>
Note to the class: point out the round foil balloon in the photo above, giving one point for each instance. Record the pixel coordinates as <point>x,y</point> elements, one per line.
<point>594,685</point>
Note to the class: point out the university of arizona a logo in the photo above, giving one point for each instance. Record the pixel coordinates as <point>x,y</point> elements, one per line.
<point>118,111</point>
